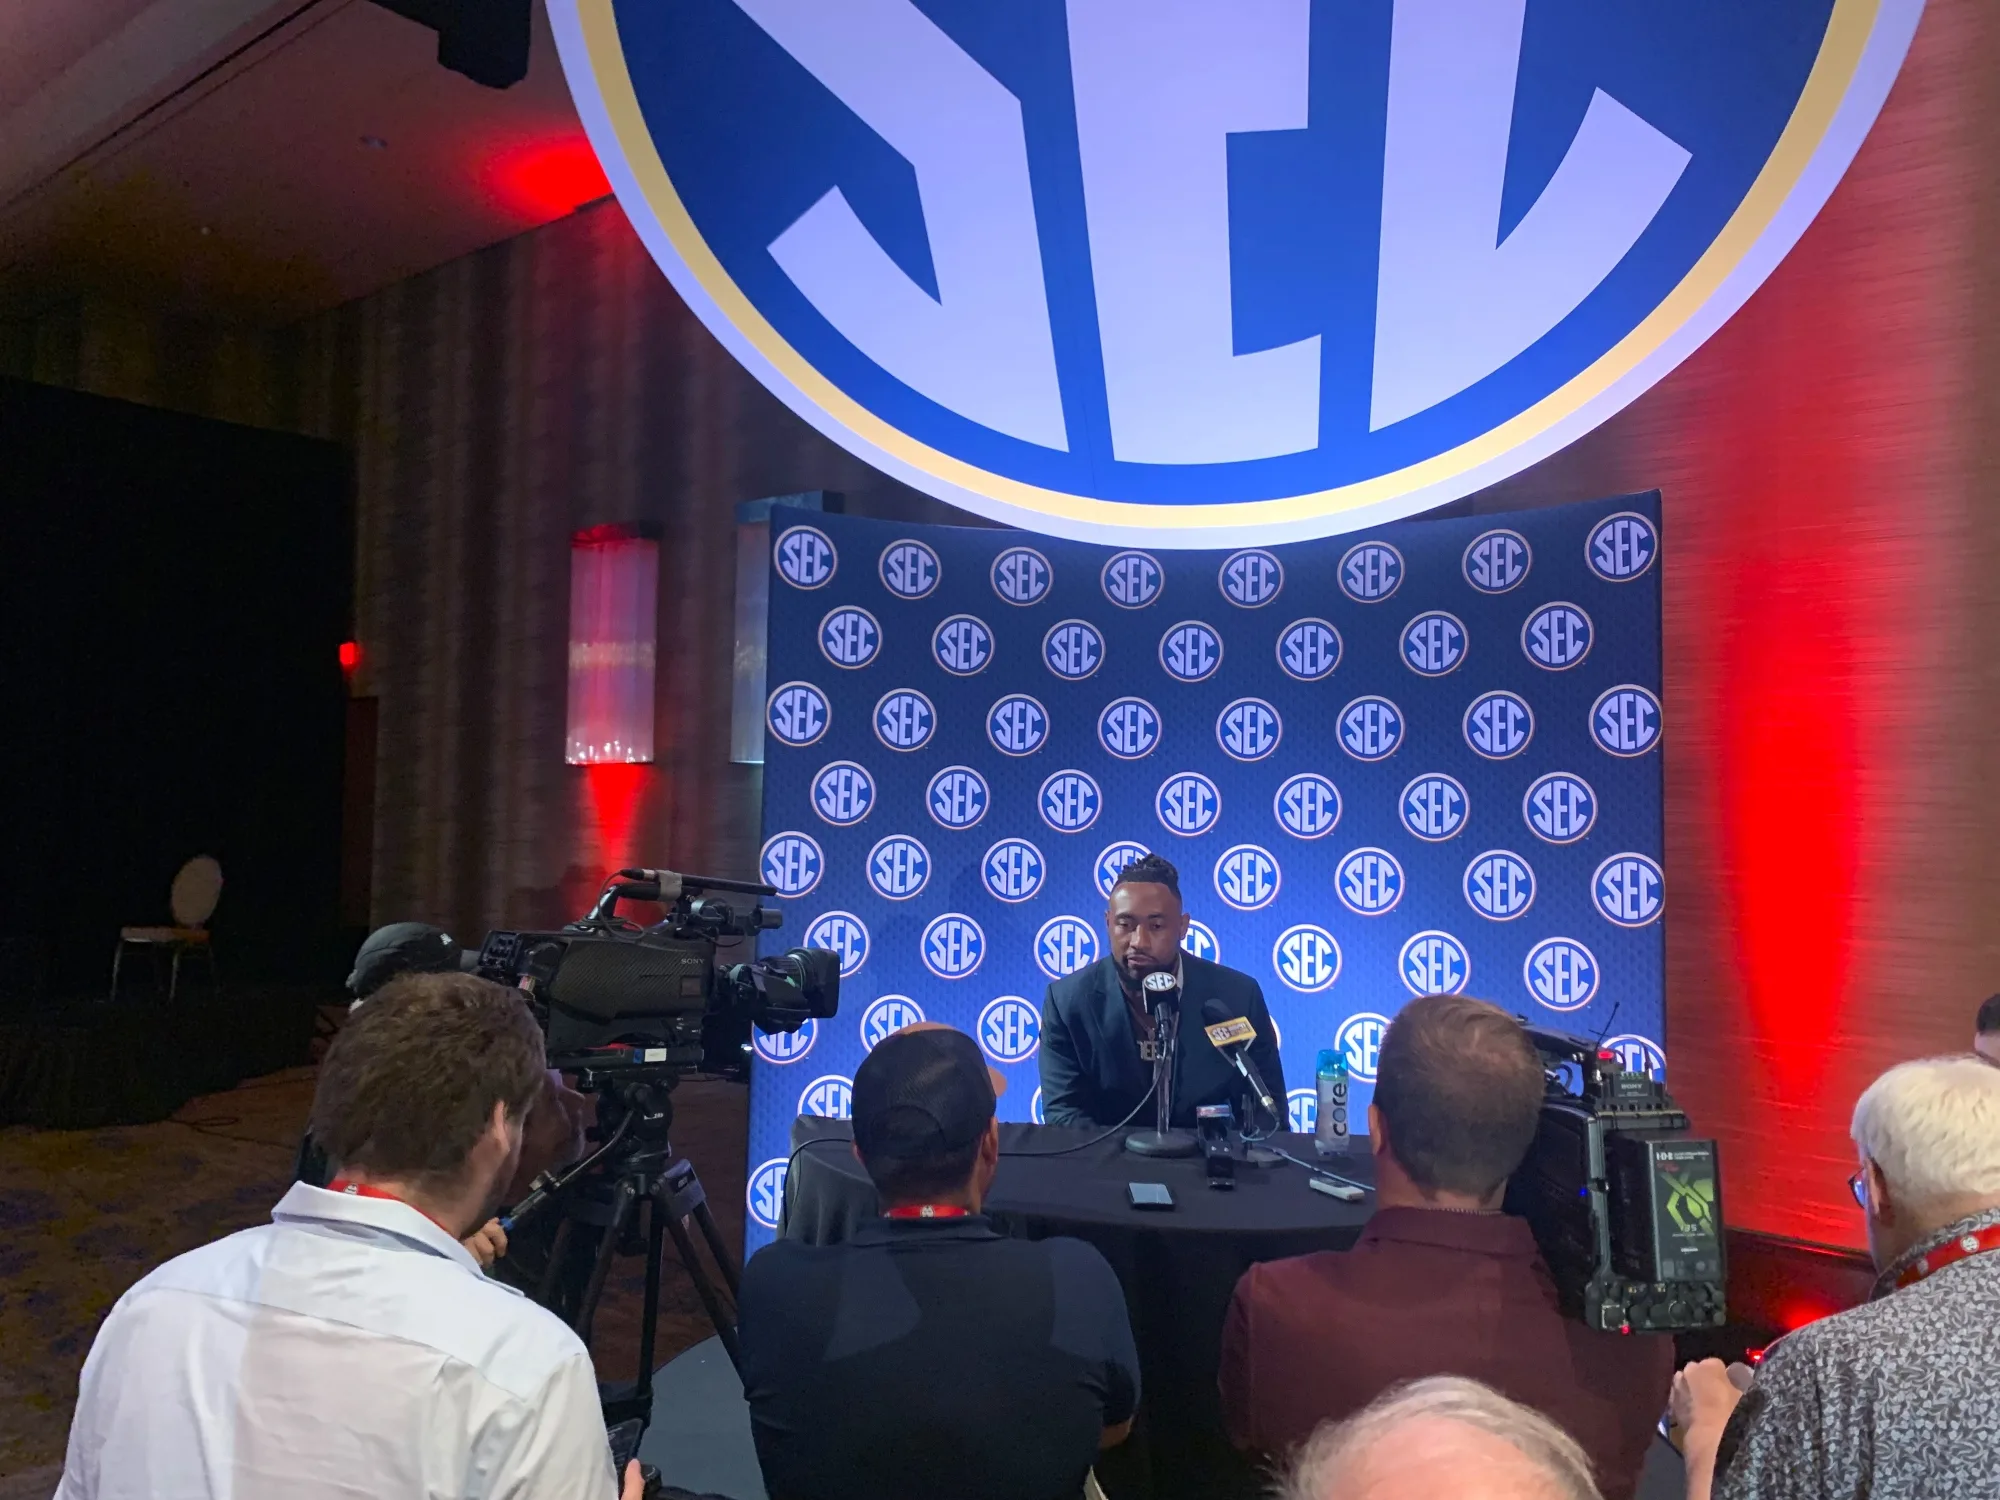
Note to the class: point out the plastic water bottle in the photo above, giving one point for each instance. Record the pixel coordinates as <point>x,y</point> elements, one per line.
<point>1330,1130</point>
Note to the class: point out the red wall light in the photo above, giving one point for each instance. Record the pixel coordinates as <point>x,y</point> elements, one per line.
<point>614,575</point>
<point>350,655</point>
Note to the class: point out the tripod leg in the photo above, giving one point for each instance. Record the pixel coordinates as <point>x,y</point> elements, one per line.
<point>706,1222</point>
<point>718,1312</point>
<point>622,1198</point>
<point>558,1248</point>
<point>649,1318</point>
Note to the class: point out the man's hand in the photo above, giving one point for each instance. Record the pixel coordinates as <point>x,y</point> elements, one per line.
<point>1703,1396</point>
<point>635,1487</point>
<point>487,1243</point>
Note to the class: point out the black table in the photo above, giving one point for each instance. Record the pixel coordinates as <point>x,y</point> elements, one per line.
<point>1178,1267</point>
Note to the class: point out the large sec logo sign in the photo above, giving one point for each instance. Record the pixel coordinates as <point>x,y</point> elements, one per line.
<point>936,233</point>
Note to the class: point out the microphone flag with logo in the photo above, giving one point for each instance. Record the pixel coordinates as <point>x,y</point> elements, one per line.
<point>1421,760</point>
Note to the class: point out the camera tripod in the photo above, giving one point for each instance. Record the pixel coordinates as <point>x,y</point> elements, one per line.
<point>598,1203</point>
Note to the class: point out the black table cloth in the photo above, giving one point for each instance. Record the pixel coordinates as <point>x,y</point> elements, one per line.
<point>1178,1267</point>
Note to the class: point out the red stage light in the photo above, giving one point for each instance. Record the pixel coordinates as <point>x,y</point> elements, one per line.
<point>350,655</point>
<point>546,179</point>
<point>613,628</point>
<point>616,792</point>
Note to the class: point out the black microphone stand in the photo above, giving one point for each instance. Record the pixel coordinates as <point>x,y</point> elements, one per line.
<point>1163,997</point>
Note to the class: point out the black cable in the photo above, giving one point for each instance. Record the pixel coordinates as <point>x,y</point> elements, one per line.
<point>1319,1171</point>
<point>1094,1140</point>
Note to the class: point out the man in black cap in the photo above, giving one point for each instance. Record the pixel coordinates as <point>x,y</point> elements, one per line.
<point>930,1356</point>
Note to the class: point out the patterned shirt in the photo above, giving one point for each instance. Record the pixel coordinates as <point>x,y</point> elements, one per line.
<point>1894,1400</point>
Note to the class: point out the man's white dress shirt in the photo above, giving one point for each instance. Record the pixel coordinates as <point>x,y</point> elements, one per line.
<point>350,1348</point>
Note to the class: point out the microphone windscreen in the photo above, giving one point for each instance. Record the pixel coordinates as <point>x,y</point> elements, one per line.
<point>1213,1012</point>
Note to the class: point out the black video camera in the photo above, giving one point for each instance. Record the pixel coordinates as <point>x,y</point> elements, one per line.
<point>1625,1204</point>
<point>606,981</point>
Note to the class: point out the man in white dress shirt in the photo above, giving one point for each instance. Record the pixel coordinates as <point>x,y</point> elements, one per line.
<point>353,1347</point>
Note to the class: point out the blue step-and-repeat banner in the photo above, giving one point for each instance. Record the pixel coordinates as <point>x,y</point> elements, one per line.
<point>1426,759</point>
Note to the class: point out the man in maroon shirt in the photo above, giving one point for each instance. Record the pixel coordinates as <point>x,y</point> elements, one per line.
<point>1441,1282</point>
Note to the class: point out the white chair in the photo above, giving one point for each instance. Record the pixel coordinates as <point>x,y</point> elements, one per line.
<point>192,900</point>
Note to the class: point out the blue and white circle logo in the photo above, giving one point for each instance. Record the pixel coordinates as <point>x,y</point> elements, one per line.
<point>1248,729</point>
<point>1132,580</point>
<point>957,797</point>
<point>1017,725</point>
<point>1070,801</point>
<point>1434,963</point>
<point>1369,882</point>
<point>1247,877</point>
<point>1188,804</point>
<point>1035,1109</point>
<point>1306,958</point>
<point>1621,547</point>
<point>1200,940</point>
<point>868,206</point>
<point>1499,885</point>
<point>830,1098</point>
<point>765,1194</point>
<point>1625,721</point>
<point>909,568</point>
<point>1302,1111</point>
<point>1628,889</point>
<point>843,793</point>
<point>1013,870</point>
<point>798,714</point>
<point>842,933</point>
<point>1497,561</point>
<point>1557,636</point>
<point>1010,1029</point>
<point>1190,651</point>
<point>1065,944</point>
<point>1021,575</point>
<point>1309,649</point>
<point>953,945</point>
<point>904,719</point>
<point>782,1047</point>
<point>962,645</point>
<point>1307,806</point>
<point>1360,1041</point>
<point>1129,728</point>
<point>1560,808</point>
<point>1561,973</point>
<point>792,862</point>
<point>1111,862</point>
<point>1498,725</point>
<point>805,557</point>
<point>1371,728</point>
<point>1371,572</point>
<point>1637,1054</point>
<point>1434,807</point>
<point>898,867</point>
<point>887,1016</point>
<point>1434,643</point>
<point>1251,578</point>
<point>849,637</point>
<point>1073,649</point>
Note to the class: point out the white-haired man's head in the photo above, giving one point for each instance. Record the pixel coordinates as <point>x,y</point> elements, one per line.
<point>1929,1137</point>
<point>1442,1436</point>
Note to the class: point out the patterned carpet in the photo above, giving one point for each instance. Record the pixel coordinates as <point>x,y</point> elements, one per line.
<point>84,1214</point>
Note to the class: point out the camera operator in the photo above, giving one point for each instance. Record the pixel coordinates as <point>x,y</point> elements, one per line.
<point>1441,1281</point>
<point>353,1345</point>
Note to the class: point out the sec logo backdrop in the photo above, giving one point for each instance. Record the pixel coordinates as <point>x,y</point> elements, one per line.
<point>1190,272</point>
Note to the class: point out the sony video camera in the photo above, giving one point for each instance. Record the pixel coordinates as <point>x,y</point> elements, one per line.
<point>605,981</point>
<point>1625,1204</point>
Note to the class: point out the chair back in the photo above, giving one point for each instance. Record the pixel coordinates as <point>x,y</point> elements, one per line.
<point>196,889</point>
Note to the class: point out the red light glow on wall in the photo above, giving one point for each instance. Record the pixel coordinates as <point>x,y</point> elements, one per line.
<point>546,179</point>
<point>613,629</point>
<point>350,655</point>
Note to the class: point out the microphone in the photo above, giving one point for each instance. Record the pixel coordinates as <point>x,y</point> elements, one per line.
<point>1232,1036</point>
<point>1162,991</point>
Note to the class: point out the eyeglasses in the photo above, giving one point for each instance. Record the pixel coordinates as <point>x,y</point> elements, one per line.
<point>1858,1185</point>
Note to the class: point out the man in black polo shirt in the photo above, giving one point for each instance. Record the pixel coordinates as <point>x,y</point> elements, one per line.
<point>928,1355</point>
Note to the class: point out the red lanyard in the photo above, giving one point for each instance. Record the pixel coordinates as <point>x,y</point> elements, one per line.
<point>363,1190</point>
<point>927,1211</point>
<point>1950,1253</point>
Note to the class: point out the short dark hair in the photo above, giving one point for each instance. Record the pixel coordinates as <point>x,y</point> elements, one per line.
<point>1460,1088</point>
<point>1150,869</point>
<point>1989,1015</point>
<point>922,1103</point>
<point>408,1084</point>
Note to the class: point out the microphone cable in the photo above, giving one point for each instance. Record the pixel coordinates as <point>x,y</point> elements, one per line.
<point>1144,1099</point>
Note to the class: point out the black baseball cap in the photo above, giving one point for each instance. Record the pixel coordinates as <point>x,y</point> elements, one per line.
<point>404,948</point>
<point>922,1092</point>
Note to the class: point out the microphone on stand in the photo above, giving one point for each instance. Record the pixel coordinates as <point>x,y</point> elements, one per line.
<point>1232,1036</point>
<point>1162,992</point>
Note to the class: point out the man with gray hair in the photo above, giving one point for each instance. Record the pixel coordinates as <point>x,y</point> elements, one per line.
<point>1436,1437</point>
<point>1898,1397</point>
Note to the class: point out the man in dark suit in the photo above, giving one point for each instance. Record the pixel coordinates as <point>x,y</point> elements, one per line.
<point>1097,1034</point>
